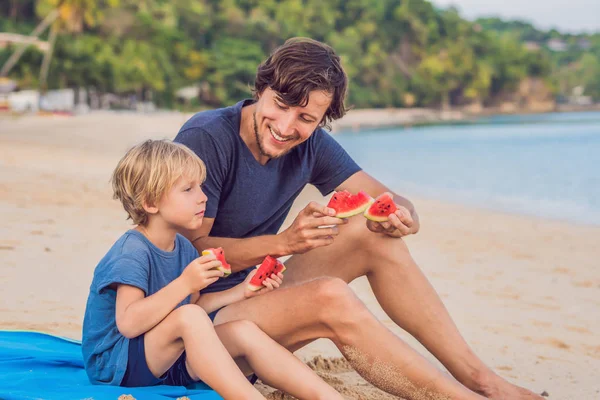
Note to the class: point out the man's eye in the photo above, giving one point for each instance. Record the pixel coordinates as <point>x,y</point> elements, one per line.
<point>280,106</point>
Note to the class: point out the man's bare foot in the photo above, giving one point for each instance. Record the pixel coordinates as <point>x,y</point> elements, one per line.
<point>497,388</point>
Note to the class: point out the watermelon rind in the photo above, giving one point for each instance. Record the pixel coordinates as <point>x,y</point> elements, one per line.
<point>254,288</point>
<point>374,218</point>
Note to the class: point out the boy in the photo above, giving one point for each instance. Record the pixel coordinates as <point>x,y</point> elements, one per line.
<point>146,323</point>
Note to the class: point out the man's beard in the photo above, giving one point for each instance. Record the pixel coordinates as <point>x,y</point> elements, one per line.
<point>261,149</point>
<point>258,142</point>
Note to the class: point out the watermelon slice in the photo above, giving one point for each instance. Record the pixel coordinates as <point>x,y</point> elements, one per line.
<point>220,255</point>
<point>347,204</point>
<point>381,208</point>
<point>269,266</point>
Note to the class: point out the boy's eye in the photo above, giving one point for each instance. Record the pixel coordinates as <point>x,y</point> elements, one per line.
<point>187,189</point>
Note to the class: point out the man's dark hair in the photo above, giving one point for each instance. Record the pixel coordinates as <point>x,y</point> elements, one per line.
<point>300,66</point>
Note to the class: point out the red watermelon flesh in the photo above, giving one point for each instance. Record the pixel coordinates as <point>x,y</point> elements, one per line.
<point>347,204</point>
<point>220,256</point>
<point>269,266</point>
<point>381,208</point>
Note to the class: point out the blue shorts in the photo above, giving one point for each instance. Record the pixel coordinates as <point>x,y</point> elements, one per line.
<point>138,374</point>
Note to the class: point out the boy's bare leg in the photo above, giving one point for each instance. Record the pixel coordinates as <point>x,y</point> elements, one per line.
<point>327,308</point>
<point>189,328</point>
<point>273,364</point>
<point>406,296</point>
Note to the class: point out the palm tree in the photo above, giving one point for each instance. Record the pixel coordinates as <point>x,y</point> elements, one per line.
<point>73,15</point>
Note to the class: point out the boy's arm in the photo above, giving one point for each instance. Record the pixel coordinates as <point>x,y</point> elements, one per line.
<point>136,314</point>
<point>213,301</point>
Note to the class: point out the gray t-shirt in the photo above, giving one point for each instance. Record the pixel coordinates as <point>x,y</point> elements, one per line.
<point>132,260</point>
<point>246,198</point>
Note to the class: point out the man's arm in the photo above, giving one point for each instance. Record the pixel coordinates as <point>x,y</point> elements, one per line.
<point>408,224</point>
<point>304,234</point>
<point>240,253</point>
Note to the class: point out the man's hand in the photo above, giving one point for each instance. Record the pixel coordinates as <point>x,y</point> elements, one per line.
<point>305,233</point>
<point>399,224</point>
<point>270,284</point>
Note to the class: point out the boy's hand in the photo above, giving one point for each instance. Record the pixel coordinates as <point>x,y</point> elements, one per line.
<point>270,284</point>
<point>200,273</point>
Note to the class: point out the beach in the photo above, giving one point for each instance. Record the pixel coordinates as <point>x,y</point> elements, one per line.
<point>524,291</point>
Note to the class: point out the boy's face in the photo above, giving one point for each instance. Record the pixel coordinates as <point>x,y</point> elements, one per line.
<point>184,204</point>
<point>279,128</point>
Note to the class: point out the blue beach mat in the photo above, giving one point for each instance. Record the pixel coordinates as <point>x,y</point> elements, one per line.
<point>35,365</point>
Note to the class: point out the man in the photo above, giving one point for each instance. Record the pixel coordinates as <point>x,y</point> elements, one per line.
<point>260,154</point>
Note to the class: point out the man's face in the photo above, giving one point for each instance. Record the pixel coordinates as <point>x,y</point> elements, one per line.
<point>279,127</point>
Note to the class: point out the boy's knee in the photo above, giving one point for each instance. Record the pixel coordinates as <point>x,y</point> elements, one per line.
<point>191,316</point>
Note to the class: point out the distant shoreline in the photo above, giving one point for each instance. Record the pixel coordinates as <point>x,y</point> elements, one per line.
<point>359,119</point>
<point>367,118</point>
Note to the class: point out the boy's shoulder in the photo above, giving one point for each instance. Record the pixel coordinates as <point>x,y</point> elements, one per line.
<point>131,245</point>
<point>185,246</point>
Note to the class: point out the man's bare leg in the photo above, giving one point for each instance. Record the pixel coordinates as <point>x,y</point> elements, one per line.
<point>327,308</point>
<point>406,296</point>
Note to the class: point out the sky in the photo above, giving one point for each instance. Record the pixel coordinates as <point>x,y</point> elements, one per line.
<point>574,16</point>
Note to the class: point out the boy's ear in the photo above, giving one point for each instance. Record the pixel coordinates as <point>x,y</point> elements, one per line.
<point>150,209</point>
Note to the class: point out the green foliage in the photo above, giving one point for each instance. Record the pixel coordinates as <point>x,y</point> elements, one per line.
<point>578,65</point>
<point>396,52</point>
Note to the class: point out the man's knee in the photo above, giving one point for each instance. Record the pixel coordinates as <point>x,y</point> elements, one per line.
<point>373,244</point>
<point>339,308</point>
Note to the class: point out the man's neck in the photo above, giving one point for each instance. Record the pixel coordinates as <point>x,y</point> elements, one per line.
<point>158,233</point>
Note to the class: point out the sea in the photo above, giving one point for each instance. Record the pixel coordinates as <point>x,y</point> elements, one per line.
<point>544,165</point>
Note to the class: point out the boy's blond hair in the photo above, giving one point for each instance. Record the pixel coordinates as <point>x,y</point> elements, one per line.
<point>148,171</point>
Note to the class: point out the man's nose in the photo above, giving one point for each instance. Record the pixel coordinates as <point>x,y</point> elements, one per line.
<point>287,124</point>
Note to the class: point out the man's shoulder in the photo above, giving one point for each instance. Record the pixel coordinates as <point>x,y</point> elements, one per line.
<point>319,140</point>
<point>217,120</point>
<point>219,126</point>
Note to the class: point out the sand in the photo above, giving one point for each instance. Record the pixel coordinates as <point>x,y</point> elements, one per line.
<point>525,292</point>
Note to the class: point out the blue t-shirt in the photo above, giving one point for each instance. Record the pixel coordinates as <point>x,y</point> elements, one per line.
<point>132,260</point>
<point>246,198</point>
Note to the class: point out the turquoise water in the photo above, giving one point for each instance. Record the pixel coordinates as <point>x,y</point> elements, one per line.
<point>544,165</point>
